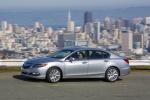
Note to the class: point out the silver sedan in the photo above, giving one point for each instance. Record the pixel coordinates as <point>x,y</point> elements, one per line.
<point>77,62</point>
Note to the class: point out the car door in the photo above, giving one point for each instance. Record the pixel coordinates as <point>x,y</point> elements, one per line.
<point>98,61</point>
<point>78,66</point>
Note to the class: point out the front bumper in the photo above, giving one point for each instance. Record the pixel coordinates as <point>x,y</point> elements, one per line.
<point>38,73</point>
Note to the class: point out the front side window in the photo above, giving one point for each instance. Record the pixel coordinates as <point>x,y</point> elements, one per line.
<point>95,54</point>
<point>79,55</point>
<point>61,53</point>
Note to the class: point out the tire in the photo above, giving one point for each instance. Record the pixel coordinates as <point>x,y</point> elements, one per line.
<point>53,75</point>
<point>111,74</point>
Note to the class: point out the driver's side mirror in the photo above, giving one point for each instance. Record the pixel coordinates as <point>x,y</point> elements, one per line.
<point>70,59</point>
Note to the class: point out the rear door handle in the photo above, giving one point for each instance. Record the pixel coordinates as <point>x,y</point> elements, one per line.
<point>84,62</point>
<point>105,60</point>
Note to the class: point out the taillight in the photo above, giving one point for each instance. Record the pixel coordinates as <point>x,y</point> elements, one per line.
<point>126,60</point>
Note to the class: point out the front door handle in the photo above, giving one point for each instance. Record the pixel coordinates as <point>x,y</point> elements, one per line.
<point>84,62</point>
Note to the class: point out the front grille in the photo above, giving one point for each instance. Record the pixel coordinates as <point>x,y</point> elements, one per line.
<point>26,66</point>
<point>24,73</point>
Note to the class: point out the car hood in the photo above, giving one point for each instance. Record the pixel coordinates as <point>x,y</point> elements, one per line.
<point>41,60</point>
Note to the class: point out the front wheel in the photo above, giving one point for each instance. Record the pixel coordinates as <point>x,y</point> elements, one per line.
<point>112,74</point>
<point>53,75</point>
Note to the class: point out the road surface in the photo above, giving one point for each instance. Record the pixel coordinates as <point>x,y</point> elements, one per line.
<point>135,86</point>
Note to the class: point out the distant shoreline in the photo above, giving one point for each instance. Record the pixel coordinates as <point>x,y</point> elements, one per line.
<point>58,18</point>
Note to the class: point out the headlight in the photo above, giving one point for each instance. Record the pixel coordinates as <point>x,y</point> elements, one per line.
<point>39,65</point>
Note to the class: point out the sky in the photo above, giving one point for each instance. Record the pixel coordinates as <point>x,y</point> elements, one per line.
<point>71,4</point>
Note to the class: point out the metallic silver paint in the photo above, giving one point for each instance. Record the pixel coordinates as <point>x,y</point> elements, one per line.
<point>94,68</point>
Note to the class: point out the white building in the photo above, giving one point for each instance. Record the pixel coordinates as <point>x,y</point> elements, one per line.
<point>107,23</point>
<point>49,31</point>
<point>147,20</point>
<point>4,26</point>
<point>10,29</point>
<point>42,28</point>
<point>77,29</point>
<point>1,34</point>
<point>71,24</point>
<point>116,34</point>
<point>36,26</point>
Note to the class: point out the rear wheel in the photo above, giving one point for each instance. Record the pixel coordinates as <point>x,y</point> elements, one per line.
<point>53,75</point>
<point>112,74</point>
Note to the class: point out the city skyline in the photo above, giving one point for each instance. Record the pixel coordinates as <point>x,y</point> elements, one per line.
<point>110,34</point>
<point>58,18</point>
<point>67,4</point>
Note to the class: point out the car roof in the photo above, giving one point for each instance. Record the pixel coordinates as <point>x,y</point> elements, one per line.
<point>83,48</point>
<point>88,48</point>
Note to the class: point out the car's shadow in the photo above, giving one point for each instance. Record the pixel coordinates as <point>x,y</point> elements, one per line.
<point>86,80</point>
<point>24,78</point>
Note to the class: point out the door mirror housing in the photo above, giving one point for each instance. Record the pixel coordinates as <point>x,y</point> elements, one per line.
<point>71,59</point>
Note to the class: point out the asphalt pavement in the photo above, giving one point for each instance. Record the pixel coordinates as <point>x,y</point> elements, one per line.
<point>135,86</point>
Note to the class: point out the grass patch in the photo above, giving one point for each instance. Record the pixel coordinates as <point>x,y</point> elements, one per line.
<point>9,69</point>
<point>140,67</point>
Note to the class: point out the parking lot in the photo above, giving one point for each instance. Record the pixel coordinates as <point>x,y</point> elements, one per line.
<point>135,86</point>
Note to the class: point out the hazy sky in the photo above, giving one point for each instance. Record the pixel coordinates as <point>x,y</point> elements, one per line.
<point>71,4</point>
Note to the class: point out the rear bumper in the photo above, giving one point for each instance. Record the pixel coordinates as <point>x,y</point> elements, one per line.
<point>125,71</point>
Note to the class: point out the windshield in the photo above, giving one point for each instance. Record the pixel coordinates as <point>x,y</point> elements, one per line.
<point>61,53</point>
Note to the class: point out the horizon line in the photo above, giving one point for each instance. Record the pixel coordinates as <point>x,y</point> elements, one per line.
<point>64,9</point>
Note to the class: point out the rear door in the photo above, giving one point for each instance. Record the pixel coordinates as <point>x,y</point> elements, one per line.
<point>98,61</point>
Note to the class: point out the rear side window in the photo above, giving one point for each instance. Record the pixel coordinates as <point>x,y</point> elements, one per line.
<point>96,54</point>
<point>106,55</point>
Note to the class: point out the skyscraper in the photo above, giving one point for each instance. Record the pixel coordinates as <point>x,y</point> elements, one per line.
<point>16,28</point>
<point>70,26</point>
<point>127,41</point>
<point>125,23</point>
<point>87,17</point>
<point>10,29</point>
<point>42,29</point>
<point>116,34</point>
<point>138,40</point>
<point>69,22</point>
<point>37,26</point>
<point>49,30</point>
<point>4,26</point>
<point>118,24</point>
<point>88,28</point>
<point>107,23</point>
<point>96,33</point>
